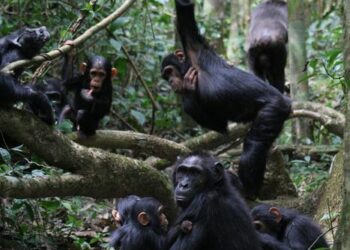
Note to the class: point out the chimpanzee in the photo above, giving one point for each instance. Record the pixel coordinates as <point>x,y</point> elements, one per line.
<point>55,92</point>
<point>146,228</point>
<point>122,209</point>
<point>268,38</point>
<point>93,95</point>
<point>23,44</point>
<point>215,216</point>
<point>214,93</point>
<point>296,231</point>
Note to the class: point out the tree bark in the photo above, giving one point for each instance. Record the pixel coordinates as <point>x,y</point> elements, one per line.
<point>297,59</point>
<point>97,173</point>
<point>233,45</point>
<point>343,239</point>
<point>215,10</point>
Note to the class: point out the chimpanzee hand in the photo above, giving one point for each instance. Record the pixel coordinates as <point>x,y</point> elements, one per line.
<point>190,80</point>
<point>186,226</point>
<point>86,94</point>
<point>40,105</point>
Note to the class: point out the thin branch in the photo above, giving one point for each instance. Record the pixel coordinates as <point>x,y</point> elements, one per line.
<point>138,74</point>
<point>79,40</point>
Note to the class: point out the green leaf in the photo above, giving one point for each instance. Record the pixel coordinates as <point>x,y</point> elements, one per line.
<point>140,118</point>
<point>5,155</point>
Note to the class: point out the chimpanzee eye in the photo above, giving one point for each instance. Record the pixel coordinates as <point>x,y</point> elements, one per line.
<point>259,226</point>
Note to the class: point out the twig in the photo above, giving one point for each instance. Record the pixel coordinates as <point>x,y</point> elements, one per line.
<point>66,48</point>
<point>319,237</point>
<point>138,74</point>
<point>123,120</point>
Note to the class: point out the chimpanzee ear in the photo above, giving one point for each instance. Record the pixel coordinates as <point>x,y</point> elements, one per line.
<point>179,53</point>
<point>83,67</point>
<point>114,72</point>
<point>143,218</point>
<point>277,213</point>
<point>116,216</point>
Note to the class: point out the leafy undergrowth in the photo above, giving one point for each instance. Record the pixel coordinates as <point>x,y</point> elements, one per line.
<point>53,223</point>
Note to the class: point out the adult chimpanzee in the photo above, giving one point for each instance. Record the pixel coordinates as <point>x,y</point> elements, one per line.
<point>215,215</point>
<point>214,93</point>
<point>23,44</point>
<point>268,36</point>
<point>93,95</point>
<point>121,212</point>
<point>296,231</point>
<point>146,228</point>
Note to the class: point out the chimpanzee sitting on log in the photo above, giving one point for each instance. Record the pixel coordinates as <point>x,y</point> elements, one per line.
<point>214,93</point>
<point>212,215</point>
<point>268,37</point>
<point>294,230</point>
<point>23,44</point>
<point>93,95</point>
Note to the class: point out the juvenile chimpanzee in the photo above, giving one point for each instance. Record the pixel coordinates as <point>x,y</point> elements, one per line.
<point>121,212</point>
<point>268,37</point>
<point>214,93</point>
<point>93,95</point>
<point>146,228</point>
<point>23,44</point>
<point>215,215</point>
<point>296,231</point>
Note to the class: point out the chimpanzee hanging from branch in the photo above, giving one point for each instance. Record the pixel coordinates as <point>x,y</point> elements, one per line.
<point>214,93</point>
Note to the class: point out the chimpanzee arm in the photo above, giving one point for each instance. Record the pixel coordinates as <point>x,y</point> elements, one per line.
<point>301,233</point>
<point>187,26</point>
<point>67,69</point>
<point>270,243</point>
<point>69,80</point>
<point>117,236</point>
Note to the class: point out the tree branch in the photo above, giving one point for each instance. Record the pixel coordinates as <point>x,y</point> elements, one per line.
<point>79,40</point>
<point>105,174</point>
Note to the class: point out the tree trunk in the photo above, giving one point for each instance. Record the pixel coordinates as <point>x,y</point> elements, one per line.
<point>215,10</point>
<point>233,40</point>
<point>297,62</point>
<point>343,239</point>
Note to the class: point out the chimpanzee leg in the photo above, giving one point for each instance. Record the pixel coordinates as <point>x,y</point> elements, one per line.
<point>265,129</point>
<point>87,124</point>
<point>276,75</point>
<point>255,65</point>
<point>12,92</point>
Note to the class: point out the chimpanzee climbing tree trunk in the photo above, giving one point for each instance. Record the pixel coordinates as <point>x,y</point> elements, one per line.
<point>297,62</point>
<point>343,239</point>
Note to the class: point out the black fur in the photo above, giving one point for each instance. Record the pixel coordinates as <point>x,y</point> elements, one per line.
<point>225,93</point>
<point>268,37</point>
<point>23,44</point>
<point>295,231</point>
<point>134,236</point>
<point>220,218</point>
<point>87,114</point>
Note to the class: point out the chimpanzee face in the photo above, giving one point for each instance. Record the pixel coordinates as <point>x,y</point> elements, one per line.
<point>97,76</point>
<point>190,179</point>
<point>173,76</point>
<point>162,218</point>
<point>267,219</point>
<point>33,37</point>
